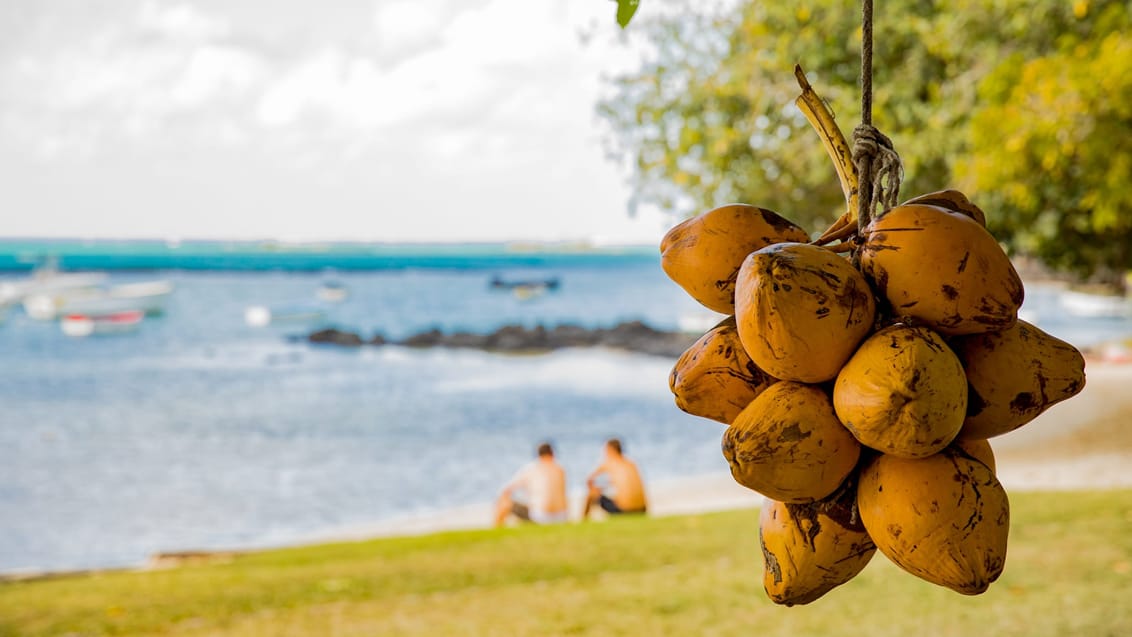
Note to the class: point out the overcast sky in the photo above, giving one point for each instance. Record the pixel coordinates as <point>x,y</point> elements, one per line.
<point>385,120</point>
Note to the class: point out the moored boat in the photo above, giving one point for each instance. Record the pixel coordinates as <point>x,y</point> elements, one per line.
<point>88,325</point>
<point>544,285</point>
<point>332,292</point>
<point>149,297</point>
<point>529,291</point>
<point>48,281</point>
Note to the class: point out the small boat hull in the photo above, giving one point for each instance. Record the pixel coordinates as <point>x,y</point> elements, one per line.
<point>149,297</point>
<point>544,285</point>
<point>528,292</point>
<point>48,282</point>
<point>82,325</point>
<point>332,293</point>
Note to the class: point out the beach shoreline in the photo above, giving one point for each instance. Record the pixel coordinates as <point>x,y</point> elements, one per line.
<point>1080,444</point>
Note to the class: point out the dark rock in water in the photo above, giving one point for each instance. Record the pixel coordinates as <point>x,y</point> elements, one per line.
<point>335,337</point>
<point>465,339</point>
<point>516,338</point>
<point>430,338</point>
<point>634,336</point>
<point>570,335</point>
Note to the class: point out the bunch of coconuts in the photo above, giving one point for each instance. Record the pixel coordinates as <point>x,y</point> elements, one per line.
<point>859,393</point>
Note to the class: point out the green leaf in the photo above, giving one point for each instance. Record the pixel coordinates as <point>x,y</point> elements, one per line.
<point>625,11</point>
<point>1023,104</point>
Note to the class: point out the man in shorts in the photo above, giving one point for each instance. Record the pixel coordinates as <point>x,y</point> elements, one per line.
<point>624,492</point>
<point>543,485</point>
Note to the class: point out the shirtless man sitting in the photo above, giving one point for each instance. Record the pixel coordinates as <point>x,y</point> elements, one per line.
<point>624,493</point>
<point>543,483</point>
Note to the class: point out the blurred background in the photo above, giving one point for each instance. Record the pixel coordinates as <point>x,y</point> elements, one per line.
<point>193,188</point>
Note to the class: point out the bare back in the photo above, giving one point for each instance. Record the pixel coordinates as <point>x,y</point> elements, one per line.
<point>545,484</point>
<point>555,481</point>
<point>625,483</point>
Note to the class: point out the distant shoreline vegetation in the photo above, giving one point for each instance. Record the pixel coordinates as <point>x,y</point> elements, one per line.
<point>23,255</point>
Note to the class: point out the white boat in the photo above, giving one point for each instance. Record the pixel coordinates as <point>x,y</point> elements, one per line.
<point>527,291</point>
<point>262,316</point>
<point>332,292</point>
<point>86,325</point>
<point>1095,305</point>
<point>48,281</point>
<point>147,296</point>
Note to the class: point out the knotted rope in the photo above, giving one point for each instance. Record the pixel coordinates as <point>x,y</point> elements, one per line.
<point>878,166</point>
<point>879,170</point>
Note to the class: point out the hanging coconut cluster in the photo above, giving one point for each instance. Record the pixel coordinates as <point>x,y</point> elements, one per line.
<point>860,380</point>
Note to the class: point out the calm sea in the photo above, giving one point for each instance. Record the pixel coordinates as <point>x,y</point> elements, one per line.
<point>199,431</point>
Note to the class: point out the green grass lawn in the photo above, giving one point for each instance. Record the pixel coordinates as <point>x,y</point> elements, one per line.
<point>1068,572</point>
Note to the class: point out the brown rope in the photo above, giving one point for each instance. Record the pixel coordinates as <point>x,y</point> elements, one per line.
<point>879,168</point>
<point>867,62</point>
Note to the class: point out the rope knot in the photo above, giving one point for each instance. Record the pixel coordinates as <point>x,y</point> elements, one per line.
<point>880,171</point>
<point>867,140</point>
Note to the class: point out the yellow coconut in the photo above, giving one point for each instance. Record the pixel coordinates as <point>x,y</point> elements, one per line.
<point>903,392</point>
<point>941,268</point>
<point>978,449</point>
<point>951,200</point>
<point>809,549</point>
<point>788,444</point>
<point>715,378</point>
<point>801,310</point>
<point>944,518</point>
<point>703,254</point>
<point>1015,375</point>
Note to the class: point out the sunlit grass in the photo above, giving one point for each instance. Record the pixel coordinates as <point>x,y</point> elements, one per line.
<point>1069,572</point>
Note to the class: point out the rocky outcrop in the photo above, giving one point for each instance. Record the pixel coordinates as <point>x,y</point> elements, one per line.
<point>335,337</point>
<point>633,336</point>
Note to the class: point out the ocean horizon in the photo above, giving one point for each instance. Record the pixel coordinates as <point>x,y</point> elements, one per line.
<point>26,254</point>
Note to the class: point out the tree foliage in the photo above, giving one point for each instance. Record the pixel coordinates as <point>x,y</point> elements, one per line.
<point>708,118</point>
<point>1053,145</point>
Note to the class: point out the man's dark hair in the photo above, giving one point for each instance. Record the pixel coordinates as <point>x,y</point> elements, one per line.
<point>545,450</point>
<point>614,444</point>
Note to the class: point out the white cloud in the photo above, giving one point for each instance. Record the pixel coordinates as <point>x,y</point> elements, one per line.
<point>175,66</point>
<point>214,71</point>
<point>406,27</point>
<point>131,80</point>
<point>312,84</point>
<point>488,103</point>
<point>358,92</point>
<point>179,22</point>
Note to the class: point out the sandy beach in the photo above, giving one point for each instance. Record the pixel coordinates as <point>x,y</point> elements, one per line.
<point>1084,443</point>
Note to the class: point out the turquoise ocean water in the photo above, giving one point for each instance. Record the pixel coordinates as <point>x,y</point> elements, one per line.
<point>258,256</point>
